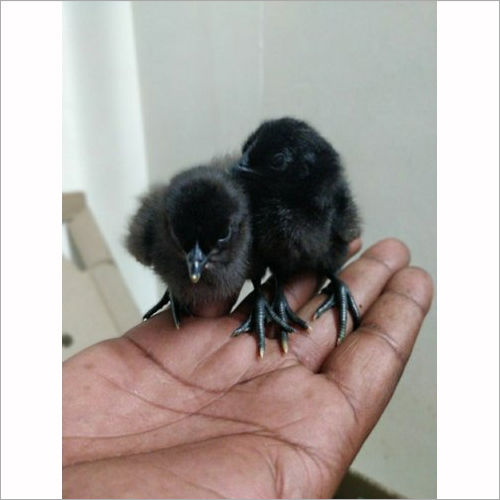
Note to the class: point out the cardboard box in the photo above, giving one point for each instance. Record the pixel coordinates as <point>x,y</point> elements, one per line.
<point>96,303</point>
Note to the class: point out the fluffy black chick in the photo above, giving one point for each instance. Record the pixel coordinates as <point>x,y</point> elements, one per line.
<point>195,234</point>
<point>303,214</point>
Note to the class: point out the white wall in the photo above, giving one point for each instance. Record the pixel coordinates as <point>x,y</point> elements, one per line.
<point>364,73</point>
<point>103,136</point>
<point>199,71</point>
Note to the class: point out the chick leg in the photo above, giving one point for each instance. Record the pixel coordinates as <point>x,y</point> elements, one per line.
<point>162,302</point>
<point>261,313</point>
<point>339,295</point>
<point>166,299</point>
<point>175,314</point>
<point>286,314</point>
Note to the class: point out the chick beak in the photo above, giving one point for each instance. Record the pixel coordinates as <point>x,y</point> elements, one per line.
<point>196,261</point>
<point>242,165</point>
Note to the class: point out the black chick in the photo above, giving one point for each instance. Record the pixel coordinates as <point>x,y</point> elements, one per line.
<point>195,234</point>
<point>303,214</point>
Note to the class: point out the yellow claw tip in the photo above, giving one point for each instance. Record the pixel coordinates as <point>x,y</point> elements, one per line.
<point>261,353</point>
<point>284,346</point>
<point>309,329</point>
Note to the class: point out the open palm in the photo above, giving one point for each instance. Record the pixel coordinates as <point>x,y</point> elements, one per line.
<point>192,413</point>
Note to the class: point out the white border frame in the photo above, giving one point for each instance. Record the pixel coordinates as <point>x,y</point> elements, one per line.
<point>468,301</point>
<point>31,249</point>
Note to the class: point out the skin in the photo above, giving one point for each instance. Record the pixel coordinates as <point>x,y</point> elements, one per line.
<point>161,413</point>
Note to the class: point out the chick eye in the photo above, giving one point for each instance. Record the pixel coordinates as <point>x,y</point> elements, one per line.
<point>225,239</point>
<point>278,161</point>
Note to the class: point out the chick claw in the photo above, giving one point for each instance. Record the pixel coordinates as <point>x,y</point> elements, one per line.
<point>262,312</point>
<point>339,295</point>
<point>287,315</point>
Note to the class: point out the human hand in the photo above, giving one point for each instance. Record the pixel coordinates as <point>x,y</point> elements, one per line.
<point>189,413</point>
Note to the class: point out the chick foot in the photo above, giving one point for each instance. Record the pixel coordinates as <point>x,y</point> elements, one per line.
<point>261,314</point>
<point>339,295</point>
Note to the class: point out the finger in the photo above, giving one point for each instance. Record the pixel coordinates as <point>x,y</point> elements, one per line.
<point>368,365</point>
<point>366,278</point>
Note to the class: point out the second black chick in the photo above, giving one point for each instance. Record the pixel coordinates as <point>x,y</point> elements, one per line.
<point>303,213</point>
<point>195,234</point>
